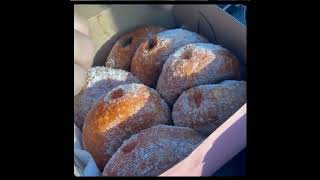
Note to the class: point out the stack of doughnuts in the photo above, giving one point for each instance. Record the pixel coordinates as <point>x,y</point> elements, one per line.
<point>122,52</point>
<point>159,95</point>
<point>149,58</point>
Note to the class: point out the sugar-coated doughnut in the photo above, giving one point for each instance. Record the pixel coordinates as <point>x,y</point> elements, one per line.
<point>204,108</point>
<point>148,60</point>
<point>196,64</point>
<point>152,151</point>
<point>100,80</point>
<point>122,112</point>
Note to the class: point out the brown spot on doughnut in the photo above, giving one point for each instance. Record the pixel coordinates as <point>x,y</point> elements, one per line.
<point>187,54</point>
<point>117,94</point>
<point>152,42</point>
<point>129,147</point>
<point>197,96</point>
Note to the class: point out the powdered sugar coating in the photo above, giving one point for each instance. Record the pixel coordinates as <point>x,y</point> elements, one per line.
<point>196,64</point>
<point>122,112</point>
<point>152,53</point>
<point>204,108</point>
<point>152,151</point>
<point>100,80</point>
<point>179,37</point>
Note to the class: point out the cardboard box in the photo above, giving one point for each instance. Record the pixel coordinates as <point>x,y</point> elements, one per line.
<point>108,22</point>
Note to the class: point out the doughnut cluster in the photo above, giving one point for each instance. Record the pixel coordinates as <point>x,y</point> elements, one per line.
<point>159,95</point>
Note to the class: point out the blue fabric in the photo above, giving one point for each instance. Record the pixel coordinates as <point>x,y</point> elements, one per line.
<point>237,11</point>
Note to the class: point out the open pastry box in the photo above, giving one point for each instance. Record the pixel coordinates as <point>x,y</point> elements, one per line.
<point>108,22</point>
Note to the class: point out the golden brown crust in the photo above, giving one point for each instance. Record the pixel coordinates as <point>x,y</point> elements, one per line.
<point>100,80</point>
<point>204,108</point>
<point>152,151</point>
<point>124,49</point>
<point>196,64</point>
<point>122,112</point>
<point>149,58</point>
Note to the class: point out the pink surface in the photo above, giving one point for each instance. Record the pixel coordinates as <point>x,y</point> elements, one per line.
<point>220,147</point>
